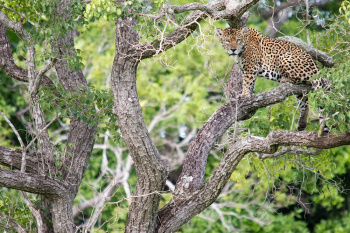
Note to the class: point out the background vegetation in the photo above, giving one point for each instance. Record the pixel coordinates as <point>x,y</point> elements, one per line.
<point>303,193</point>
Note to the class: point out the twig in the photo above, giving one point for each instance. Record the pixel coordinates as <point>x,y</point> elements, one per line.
<point>291,150</point>
<point>23,163</point>
<point>21,14</point>
<point>40,75</point>
<point>34,211</point>
<point>41,131</point>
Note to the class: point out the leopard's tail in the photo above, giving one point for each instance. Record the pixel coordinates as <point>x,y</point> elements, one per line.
<point>317,84</point>
<point>321,83</point>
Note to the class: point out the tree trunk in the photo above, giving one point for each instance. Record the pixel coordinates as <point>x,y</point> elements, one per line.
<point>151,170</point>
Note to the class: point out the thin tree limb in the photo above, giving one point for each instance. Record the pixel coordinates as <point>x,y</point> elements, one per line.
<point>21,14</point>
<point>40,76</point>
<point>23,163</point>
<point>8,223</point>
<point>291,150</point>
<point>229,10</point>
<point>35,212</point>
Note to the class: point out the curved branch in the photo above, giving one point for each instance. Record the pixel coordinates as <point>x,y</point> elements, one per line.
<point>269,13</point>
<point>228,10</point>
<point>7,62</point>
<point>21,14</point>
<point>17,27</point>
<point>32,183</point>
<point>179,211</point>
<point>192,174</point>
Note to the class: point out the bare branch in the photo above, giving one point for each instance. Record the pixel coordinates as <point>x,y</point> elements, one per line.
<point>234,10</point>
<point>7,223</point>
<point>291,3</point>
<point>277,15</point>
<point>35,212</point>
<point>7,63</point>
<point>32,183</point>
<point>40,76</point>
<point>193,6</point>
<point>269,13</point>
<point>293,150</point>
<point>41,131</point>
<point>23,163</point>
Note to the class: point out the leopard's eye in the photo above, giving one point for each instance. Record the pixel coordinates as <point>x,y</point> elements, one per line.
<point>227,41</point>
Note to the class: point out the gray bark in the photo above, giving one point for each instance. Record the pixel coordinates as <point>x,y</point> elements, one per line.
<point>192,194</point>
<point>58,195</point>
<point>151,170</point>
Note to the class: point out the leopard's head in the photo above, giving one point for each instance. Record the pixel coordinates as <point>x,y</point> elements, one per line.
<point>232,40</point>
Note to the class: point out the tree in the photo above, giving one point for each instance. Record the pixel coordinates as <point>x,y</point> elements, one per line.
<point>55,173</point>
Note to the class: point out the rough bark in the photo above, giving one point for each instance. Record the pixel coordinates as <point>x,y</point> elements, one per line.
<point>11,158</point>
<point>191,178</point>
<point>192,194</point>
<point>179,211</point>
<point>62,215</point>
<point>58,195</point>
<point>7,63</point>
<point>32,183</point>
<point>151,170</point>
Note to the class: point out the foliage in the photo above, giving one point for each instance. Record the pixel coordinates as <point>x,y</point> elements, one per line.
<point>335,225</point>
<point>191,79</point>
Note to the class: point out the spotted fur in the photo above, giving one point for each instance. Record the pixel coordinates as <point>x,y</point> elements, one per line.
<point>277,60</point>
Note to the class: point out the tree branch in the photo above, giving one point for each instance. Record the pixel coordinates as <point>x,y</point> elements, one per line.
<point>24,153</point>
<point>279,14</point>
<point>291,3</point>
<point>7,63</point>
<point>179,211</point>
<point>21,14</point>
<point>193,170</point>
<point>12,158</point>
<point>17,27</point>
<point>32,183</point>
<point>6,222</point>
<point>291,150</point>
<point>40,76</point>
<point>228,10</point>
<point>269,13</point>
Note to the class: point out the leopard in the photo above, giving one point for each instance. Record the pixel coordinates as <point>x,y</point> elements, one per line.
<point>274,59</point>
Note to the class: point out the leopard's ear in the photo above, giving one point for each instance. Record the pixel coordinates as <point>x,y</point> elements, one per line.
<point>218,32</point>
<point>244,30</point>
